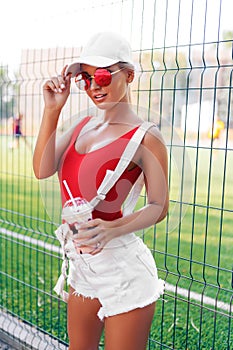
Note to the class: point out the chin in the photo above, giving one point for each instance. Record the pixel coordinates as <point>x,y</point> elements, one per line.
<point>106,105</point>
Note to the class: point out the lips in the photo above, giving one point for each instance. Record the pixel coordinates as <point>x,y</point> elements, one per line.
<point>99,96</point>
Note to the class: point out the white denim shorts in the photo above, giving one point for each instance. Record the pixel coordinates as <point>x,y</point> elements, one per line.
<point>123,276</point>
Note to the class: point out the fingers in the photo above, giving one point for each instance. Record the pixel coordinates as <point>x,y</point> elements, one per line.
<point>94,247</point>
<point>63,72</point>
<point>90,224</point>
<point>58,83</point>
<point>93,234</point>
<point>96,241</point>
<point>95,244</point>
<point>97,249</point>
<point>88,234</point>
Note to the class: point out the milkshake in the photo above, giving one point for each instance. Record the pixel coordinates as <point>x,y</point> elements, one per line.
<point>75,212</point>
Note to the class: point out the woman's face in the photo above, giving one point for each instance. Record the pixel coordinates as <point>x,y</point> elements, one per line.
<point>106,97</point>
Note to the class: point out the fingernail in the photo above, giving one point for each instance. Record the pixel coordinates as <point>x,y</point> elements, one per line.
<point>55,90</point>
<point>60,90</point>
<point>62,86</point>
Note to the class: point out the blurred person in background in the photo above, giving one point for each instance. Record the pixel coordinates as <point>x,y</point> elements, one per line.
<point>17,131</point>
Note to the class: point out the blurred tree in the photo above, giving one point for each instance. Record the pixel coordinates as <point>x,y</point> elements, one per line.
<point>228,37</point>
<point>162,81</point>
<point>8,90</point>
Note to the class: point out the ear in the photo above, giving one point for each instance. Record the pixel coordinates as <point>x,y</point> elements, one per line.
<point>130,76</point>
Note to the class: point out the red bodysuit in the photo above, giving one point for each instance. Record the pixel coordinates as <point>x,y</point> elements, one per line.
<point>85,172</point>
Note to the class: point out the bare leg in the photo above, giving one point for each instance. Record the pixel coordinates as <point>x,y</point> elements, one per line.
<point>130,330</point>
<point>84,326</point>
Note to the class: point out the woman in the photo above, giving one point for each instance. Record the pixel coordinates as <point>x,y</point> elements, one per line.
<point>116,288</point>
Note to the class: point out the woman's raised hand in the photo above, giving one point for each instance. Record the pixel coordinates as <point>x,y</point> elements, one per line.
<point>56,90</point>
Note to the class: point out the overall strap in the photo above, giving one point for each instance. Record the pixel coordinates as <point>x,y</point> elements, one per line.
<point>111,177</point>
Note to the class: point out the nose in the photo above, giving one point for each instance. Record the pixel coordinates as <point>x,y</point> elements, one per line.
<point>93,84</point>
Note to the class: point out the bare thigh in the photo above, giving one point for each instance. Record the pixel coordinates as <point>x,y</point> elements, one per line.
<point>84,326</point>
<point>130,330</point>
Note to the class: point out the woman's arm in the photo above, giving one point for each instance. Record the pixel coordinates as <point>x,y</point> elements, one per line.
<point>153,155</point>
<point>46,155</point>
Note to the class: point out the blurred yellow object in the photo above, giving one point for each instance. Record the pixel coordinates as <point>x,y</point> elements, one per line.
<point>218,126</point>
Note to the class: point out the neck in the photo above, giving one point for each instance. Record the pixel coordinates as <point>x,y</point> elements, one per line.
<point>124,115</point>
<point>117,113</point>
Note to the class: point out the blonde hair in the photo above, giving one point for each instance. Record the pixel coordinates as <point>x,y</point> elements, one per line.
<point>127,65</point>
<point>130,67</point>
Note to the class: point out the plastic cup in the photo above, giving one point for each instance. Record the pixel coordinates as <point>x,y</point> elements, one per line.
<point>77,214</point>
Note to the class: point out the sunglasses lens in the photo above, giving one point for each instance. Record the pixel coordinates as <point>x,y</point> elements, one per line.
<point>103,77</point>
<point>82,81</point>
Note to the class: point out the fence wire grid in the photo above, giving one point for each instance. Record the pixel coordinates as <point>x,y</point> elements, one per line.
<point>183,58</point>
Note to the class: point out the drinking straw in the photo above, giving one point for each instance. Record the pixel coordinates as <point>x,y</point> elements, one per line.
<point>69,192</point>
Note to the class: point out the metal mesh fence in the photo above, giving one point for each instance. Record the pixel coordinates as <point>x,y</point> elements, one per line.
<point>183,82</point>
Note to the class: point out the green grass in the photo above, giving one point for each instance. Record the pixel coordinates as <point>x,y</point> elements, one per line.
<point>194,252</point>
<point>179,325</point>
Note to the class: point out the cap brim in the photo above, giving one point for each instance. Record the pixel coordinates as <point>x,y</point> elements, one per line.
<point>95,61</point>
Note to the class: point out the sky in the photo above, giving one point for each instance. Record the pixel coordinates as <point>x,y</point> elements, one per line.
<point>28,24</point>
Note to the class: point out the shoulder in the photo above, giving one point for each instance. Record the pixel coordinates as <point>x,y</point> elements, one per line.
<point>153,137</point>
<point>68,131</point>
<point>68,136</point>
<point>153,147</point>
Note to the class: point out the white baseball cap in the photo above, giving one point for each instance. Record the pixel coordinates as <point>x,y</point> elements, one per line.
<point>103,50</point>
